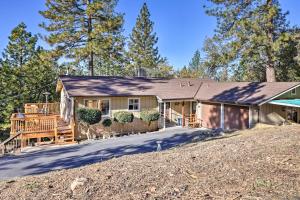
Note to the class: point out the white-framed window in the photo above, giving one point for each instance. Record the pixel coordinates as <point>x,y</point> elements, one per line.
<point>104,106</point>
<point>134,104</point>
<point>293,91</point>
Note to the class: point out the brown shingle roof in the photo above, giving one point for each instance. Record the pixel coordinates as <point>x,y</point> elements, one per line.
<point>242,92</point>
<point>185,88</point>
<point>171,89</point>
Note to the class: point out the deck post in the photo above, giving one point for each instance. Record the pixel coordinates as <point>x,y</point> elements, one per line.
<point>73,129</point>
<point>22,142</point>
<point>55,130</point>
<point>182,113</point>
<point>250,117</point>
<point>165,109</point>
<point>222,116</point>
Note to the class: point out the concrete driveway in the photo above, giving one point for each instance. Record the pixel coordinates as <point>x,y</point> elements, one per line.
<point>62,157</point>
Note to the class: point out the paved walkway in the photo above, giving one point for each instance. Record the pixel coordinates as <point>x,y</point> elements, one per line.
<point>62,157</point>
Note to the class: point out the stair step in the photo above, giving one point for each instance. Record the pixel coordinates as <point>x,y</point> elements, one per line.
<point>65,136</point>
<point>64,131</point>
<point>64,127</point>
<point>65,139</point>
<point>69,142</point>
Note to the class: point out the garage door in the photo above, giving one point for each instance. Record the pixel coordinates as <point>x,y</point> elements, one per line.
<point>236,117</point>
<point>211,115</point>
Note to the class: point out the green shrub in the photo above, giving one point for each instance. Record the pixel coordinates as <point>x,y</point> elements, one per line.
<point>89,116</point>
<point>107,122</point>
<point>149,116</point>
<point>123,117</point>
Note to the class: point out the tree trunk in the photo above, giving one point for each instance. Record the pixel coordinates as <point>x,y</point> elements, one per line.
<point>91,55</point>
<point>270,69</point>
<point>91,64</point>
<point>270,73</point>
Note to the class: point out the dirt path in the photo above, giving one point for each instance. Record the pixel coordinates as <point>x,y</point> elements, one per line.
<point>256,164</point>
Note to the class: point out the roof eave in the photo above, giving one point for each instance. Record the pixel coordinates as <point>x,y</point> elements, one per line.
<point>277,95</point>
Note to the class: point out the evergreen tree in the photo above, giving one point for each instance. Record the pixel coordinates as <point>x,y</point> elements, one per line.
<point>196,66</point>
<point>84,31</point>
<point>143,52</point>
<point>25,72</point>
<point>21,47</point>
<point>195,63</point>
<point>255,35</point>
<point>163,70</point>
<point>217,62</point>
<point>184,73</point>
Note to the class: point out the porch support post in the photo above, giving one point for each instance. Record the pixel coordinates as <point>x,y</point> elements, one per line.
<point>222,116</point>
<point>165,108</point>
<point>182,113</point>
<point>250,116</point>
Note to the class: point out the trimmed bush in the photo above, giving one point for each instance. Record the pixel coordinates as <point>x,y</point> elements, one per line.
<point>149,116</point>
<point>107,122</point>
<point>89,116</point>
<point>123,117</point>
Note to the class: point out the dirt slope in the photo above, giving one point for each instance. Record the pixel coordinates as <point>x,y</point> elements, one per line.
<point>256,164</point>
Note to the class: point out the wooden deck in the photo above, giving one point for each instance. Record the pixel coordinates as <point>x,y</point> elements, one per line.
<point>41,123</point>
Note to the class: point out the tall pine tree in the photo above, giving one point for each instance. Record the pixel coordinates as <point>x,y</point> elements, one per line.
<point>255,35</point>
<point>217,61</point>
<point>196,66</point>
<point>83,31</point>
<point>25,71</point>
<point>143,53</point>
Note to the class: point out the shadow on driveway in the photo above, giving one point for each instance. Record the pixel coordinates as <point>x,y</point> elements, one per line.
<point>96,151</point>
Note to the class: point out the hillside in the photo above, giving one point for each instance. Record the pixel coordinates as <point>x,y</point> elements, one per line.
<point>253,164</point>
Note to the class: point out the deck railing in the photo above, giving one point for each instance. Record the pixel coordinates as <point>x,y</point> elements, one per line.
<point>33,123</point>
<point>50,108</point>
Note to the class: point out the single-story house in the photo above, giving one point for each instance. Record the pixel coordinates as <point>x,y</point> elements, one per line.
<point>227,105</point>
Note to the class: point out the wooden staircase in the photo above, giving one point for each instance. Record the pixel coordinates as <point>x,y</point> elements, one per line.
<point>65,132</point>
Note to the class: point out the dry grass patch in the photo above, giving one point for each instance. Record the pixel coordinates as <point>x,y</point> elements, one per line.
<point>263,163</point>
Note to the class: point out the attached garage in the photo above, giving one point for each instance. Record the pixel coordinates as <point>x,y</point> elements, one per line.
<point>236,117</point>
<point>210,115</point>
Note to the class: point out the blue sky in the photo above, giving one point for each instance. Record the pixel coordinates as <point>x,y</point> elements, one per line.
<point>181,25</point>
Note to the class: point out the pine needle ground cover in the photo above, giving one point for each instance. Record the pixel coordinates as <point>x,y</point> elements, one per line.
<point>253,164</point>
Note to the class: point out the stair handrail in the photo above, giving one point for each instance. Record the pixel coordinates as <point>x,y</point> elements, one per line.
<point>11,138</point>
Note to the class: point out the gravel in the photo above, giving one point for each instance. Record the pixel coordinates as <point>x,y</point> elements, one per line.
<point>261,163</point>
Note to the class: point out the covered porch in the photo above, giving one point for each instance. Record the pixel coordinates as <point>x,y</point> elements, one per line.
<point>179,113</point>
<point>280,111</point>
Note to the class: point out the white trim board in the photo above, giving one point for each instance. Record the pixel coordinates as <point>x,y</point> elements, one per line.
<point>284,104</point>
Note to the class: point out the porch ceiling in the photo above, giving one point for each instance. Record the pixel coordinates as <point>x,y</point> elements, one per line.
<point>286,102</point>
